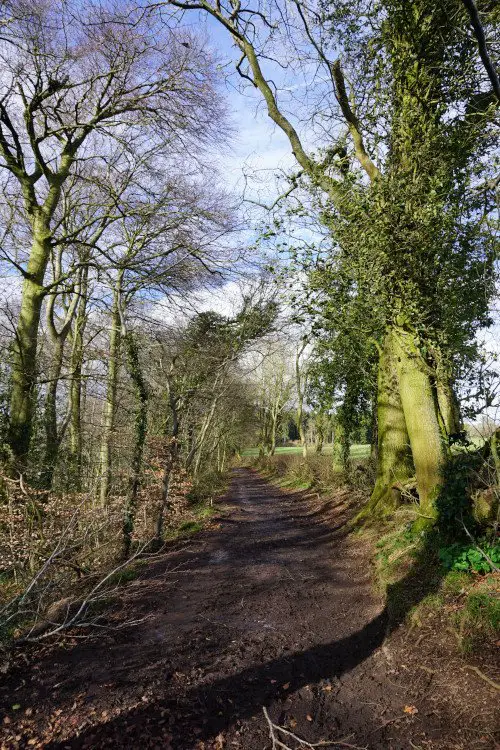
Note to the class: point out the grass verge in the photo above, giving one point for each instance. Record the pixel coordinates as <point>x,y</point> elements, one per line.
<point>425,586</point>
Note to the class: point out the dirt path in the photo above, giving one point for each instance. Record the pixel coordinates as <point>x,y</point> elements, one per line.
<point>273,607</point>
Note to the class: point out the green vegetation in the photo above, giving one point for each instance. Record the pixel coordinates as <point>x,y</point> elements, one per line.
<point>480,557</point>
<point>357,451</point>
<point>425,579</point>
<point>421,574</point>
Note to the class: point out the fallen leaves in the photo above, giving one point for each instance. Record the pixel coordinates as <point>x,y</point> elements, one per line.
<point>412,710</point>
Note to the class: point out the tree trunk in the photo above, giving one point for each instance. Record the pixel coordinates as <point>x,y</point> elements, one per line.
<point>300,381</point>
<point>420,408</point>
<point>302,434</point>
<point>374,433</point>
<point>75,392</point>
<point>319,442</point>
<point>167,476</point>
<point>136,376</point>
<point>394,465</point>
<point>24,361</point>
<point>272,436</point>
<point>53,435</point>
<point>52,438</point>
<point>110,403</point>
<point>449,408</point>
<point>200,440</point>
<point>170,464</point>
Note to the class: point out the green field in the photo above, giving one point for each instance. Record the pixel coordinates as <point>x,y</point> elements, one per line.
<point>360,450</point>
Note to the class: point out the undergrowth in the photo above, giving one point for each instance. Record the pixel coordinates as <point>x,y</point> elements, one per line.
<point>20,612</point>
<point>430,583</point>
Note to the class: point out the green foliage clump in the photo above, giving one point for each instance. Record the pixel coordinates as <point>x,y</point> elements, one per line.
<point>469,558</point>
<point>454,503</point>
<point>393,547</point>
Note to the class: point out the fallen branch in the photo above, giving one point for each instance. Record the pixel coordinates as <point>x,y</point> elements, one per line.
<point>277,743</point>
<point>76,610</point>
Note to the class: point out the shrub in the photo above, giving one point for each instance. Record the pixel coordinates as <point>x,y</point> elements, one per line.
<point>469,557</point>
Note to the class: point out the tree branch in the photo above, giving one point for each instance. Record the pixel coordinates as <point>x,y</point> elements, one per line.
<point>478,29</point>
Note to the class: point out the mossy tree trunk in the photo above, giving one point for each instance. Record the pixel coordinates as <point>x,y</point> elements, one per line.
<point>420,407</point>
<point>75,390</point>
<point>394,464</point>
<point>171,461</point>
<point>448,406</point>
<point>24,359</point>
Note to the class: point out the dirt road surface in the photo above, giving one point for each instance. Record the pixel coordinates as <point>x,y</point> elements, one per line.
<point>273,607</point>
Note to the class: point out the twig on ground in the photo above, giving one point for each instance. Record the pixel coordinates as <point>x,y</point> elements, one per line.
<point>484,677</point>
<point>277,743</point>
<point>216,622</point>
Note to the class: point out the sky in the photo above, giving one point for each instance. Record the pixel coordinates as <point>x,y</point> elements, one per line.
<point>258,145</point>
<point>257,149</point>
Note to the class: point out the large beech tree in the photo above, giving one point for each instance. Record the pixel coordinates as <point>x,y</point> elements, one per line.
<point>407,134</point>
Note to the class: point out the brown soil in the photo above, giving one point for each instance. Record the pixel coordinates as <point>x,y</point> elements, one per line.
<point>273,606</point>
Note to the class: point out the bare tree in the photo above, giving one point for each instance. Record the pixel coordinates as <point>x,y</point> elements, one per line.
<point>75,80</point>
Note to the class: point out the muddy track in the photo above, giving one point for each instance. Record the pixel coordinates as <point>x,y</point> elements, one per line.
<point>273,606</point>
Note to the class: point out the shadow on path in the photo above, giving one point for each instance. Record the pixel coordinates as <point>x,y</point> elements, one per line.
<point>205,709</point>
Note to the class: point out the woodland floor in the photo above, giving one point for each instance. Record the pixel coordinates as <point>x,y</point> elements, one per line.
<point>274,606</point>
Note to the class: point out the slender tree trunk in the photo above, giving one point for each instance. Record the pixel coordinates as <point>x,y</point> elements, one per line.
<point>449,408</point>
<point>300,381</point>
<point>110,402</point>
<point>420,408</point>
<point>272,436</point>
<point>320,432</point>
<point>24,361</point>
<point>300,427</point>
<point>170,464</point>
<point>141,391</point>
<point>75,392</point>
<point>394,465</point>
<point>200,440</point>
<point>319,442</point>
<point>52,438</point>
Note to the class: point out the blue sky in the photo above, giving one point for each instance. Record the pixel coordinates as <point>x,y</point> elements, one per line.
<point>257,145</point>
